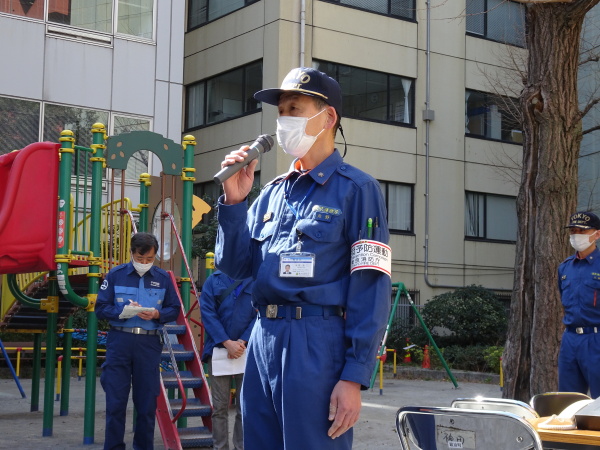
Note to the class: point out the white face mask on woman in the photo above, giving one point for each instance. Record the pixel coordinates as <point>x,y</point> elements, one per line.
<point>581,242</point>
<point>292,137</point>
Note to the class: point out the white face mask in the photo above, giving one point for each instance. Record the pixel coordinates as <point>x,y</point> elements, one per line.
<point>140,268</point>
<point>580,242</point>
<point>292,137</point>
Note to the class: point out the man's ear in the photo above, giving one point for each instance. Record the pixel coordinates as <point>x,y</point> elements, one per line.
<point>331,117</point>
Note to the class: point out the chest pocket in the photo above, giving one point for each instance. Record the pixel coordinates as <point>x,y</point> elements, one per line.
<point>155,297</point>
<point>263,231</point>
<point>321,231</point>
<point>124,294</point>
<point>592,284</point>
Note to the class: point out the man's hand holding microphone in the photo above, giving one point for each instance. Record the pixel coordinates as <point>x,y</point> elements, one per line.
<point>237,169</point>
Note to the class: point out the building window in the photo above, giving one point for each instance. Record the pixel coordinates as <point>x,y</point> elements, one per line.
<point>371,95</point>
<point>19,123</point>
<point>492,117</point>
<point>33,9</point>
<point>138,163</point>
<point>498,20</point>
<point>134,17</point>
<point>204,11</point>
<point>404,9</point>
<point>490,217</point>
<point>399,203</point>
<point>226,96</point>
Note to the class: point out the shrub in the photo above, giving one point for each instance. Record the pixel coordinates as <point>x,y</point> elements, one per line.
<point>468,316</point>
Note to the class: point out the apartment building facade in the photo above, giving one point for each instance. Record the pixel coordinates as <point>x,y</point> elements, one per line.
<point>67,64</point>
<point>427,111</point>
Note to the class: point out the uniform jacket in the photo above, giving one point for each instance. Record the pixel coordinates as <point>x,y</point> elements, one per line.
<point>332,203</point>
<point>154,289</point>
<point>233,318</point>
<point>579,285</point>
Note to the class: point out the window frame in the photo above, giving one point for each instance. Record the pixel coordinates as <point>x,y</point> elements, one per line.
<point>205,105</point>
<point>195,27</point>
<point>485,34</point>
<point>409,19</point>
<point>99,37</point>
<point>486,218</point>
<point>384,185</point>
<point>487,97</point>
<point>411,96</point>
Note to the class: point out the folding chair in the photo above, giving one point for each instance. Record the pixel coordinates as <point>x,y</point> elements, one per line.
<point>555,402</point>
<point>521,409</point>
<point>424,428</point>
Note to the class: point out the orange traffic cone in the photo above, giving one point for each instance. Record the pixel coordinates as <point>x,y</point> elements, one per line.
<point>407,358</point>
<point>426,362</point>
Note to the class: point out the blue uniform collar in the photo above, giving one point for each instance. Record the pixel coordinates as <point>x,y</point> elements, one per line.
<point>323,171</point>
<point>589,258</point>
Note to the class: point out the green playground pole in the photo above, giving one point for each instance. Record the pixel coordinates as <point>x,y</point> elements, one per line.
<point>98,161</point>
<point>187,172</point>
<point>51,306</point>
<point>145,184</point>
<point>437,350</point>
<point>37,368</point>
<point>66,375</point>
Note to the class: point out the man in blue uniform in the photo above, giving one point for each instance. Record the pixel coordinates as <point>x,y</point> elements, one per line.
<point>314,345</point>
<point>133,346</point>
<point>579,284</point>
<point>228,318</point>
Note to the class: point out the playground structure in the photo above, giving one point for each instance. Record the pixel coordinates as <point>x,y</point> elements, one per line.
<point>57,241</point>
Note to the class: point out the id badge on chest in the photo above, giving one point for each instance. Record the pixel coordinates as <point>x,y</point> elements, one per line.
<point>297,265</point>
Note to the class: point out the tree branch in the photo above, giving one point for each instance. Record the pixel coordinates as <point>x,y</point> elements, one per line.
<point>589,130</point>
<point>589,106</point>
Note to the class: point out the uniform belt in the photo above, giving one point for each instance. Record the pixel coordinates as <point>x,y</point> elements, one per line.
<point>136,330</point>
<point>583,330</point>
<point>298,312</point>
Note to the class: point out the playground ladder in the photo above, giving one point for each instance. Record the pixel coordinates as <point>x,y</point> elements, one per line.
<point>170,410</point>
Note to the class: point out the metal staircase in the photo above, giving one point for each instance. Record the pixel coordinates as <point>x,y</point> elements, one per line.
<point>196,408</point>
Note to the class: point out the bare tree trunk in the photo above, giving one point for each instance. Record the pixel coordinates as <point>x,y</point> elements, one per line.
<point>548,194</point>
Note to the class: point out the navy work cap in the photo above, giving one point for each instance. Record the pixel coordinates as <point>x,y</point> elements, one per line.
<point>585,220</point>
<point>307,81</point>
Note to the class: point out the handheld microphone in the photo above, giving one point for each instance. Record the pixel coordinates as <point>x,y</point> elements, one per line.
<point>262,144</point>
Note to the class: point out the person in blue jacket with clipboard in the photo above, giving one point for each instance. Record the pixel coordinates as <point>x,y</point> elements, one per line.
<point>228,318</point>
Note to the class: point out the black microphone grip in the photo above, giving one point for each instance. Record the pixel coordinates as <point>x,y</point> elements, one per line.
<point>262,144</point>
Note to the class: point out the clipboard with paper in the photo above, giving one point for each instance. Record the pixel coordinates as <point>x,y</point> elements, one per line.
<point>131,311</point>
<point>222,365</point>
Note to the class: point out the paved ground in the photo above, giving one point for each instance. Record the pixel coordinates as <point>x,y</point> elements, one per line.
<point>21,429</point>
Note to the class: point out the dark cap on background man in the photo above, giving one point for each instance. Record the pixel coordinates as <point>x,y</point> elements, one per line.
<point>307,81</point>
<point>585,220</point>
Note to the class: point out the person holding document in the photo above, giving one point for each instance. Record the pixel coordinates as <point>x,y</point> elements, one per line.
<point>133,345</point>
<point>228,318</point>
<point>313,347</point>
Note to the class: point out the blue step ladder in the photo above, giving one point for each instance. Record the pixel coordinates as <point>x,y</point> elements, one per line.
<point>191,380</point>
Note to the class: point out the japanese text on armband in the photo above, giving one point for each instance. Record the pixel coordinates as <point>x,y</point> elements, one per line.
<point>366,254</point>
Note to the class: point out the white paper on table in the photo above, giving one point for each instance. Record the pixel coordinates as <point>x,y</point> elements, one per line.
<point>130,311</point>
<point>222,365</point>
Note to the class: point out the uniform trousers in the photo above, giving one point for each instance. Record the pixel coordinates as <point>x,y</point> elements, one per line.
<point>132,361</point>
<point>291,370</point>
<point>578,363</point>
<point>220,389</point>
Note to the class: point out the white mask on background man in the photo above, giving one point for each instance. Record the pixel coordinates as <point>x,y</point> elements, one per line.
<point>580,242</point>
<point>140,268</point>
<point>292,137</point>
